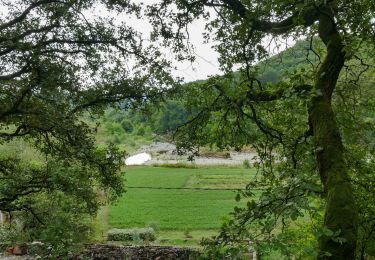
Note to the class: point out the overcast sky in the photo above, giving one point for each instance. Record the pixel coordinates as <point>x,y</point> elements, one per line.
<point>206,63</point>
<point>206,59</point>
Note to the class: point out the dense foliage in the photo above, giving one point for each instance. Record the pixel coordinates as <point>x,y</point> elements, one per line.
<point>129,129</point>
<point>306,122</point>
<point>59,64</point>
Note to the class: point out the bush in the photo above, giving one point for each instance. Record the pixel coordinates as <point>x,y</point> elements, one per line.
<point>127,126</point>
<point>141,131</point>
<point>154,225</point>
<point>131,234</point>
<point>213,154</point>
<point>246,164</point>
<point>37,248</point>
<point>177,165</point>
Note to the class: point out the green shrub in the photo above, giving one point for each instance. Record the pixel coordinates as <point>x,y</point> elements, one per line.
<point>214,154</point>
<point>120,235</point>
<point>114,129</point>
<point>127,126</point>
<point>37,248</point>
<point>246,164</point>
<point>116,139</point>
<point>141,131</point>
<point>177,165</point>
<point>154,225</point>
<point>131,234</point>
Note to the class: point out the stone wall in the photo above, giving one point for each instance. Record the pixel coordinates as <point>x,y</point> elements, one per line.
<point>113,252</point>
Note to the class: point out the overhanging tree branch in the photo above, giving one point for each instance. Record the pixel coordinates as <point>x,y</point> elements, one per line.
<point>307,17</point>
<point>24,14</point>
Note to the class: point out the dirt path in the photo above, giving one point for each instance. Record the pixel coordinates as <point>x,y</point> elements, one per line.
<point>101,223</point>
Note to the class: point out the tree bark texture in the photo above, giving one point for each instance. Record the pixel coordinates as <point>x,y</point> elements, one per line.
<point>341,212</point>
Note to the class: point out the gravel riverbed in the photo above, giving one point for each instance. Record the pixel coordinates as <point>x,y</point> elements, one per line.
<point>165,153</point>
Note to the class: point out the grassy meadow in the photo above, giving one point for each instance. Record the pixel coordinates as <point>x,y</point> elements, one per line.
<point>175,206</point>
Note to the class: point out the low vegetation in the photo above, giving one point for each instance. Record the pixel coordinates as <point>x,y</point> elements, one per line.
<point>131,234</point>
<point>177,200</point>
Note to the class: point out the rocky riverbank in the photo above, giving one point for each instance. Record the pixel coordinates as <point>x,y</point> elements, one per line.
<point>166,153</point>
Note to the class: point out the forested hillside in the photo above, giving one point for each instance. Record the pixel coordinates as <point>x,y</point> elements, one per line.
<point>158,122</point>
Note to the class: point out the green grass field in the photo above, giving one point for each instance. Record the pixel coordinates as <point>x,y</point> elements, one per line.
<point>178,213</point>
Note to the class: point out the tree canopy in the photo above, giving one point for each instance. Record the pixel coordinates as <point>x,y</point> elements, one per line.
<point>312,127</point>
<point>61,61</point>
<point>304,137</point>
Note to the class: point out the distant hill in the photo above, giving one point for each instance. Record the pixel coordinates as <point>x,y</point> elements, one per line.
<point>131,129</point>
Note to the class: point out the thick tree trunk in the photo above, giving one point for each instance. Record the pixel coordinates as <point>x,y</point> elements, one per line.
<point>341,213</point>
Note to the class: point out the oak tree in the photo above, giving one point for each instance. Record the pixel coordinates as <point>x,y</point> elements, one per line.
<point>62,62</point>
<point>300,135</point>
